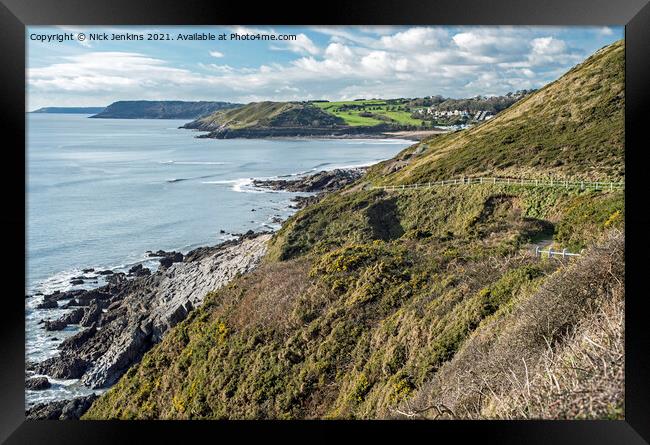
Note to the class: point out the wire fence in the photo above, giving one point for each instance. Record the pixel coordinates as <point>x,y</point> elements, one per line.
<point>583,185</point>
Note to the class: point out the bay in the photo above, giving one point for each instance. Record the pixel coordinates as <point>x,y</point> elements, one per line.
<point>100,193</point>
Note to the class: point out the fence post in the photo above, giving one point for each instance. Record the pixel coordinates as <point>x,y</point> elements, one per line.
<point>550,252</point>
<point>537,251</point>
<point>495,180</point>
<point>564,253</point>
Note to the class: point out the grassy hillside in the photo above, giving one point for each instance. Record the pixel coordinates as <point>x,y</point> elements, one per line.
<point>258,115</point>
<point>425,303</point>
<point>270,114</point>
<point>573,127</point>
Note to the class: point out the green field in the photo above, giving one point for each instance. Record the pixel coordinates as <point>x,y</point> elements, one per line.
<point>351,111</point>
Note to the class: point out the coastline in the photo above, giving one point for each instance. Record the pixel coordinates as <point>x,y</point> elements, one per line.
<point>118,322</point>
<point>114,324</point>
<point>293,134</point>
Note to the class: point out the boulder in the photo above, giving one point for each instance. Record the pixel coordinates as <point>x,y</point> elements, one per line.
<point>63,367</point>
<point>171,258</point>
<point>116,278</point>
<point>47,304</point>
<point>139,271</point>
<point>91,314</point>
<point>54,325</point>
<point>58,295</point>
<point>37,383</point>
<point>73,317</point>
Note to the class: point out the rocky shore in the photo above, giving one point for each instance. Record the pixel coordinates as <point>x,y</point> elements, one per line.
<point>123,319</point>
<point>285,131</point>
<point>320,183</point>
<point>126,317</point>
<point>324,181</point>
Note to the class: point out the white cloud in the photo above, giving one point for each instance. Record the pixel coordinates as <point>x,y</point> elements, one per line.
<point>548,45</point>
<point>490,42</point>
<point>339,52</point>
<point>302,45</point>
<point>414,39</point>
<point>106,71</point>
<point>549,51</point>
<point>606,31</point>
<point>384,62</point>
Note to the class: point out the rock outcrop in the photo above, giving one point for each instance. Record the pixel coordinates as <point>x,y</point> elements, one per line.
<point>324,181</point>
<point>61,410</point>
<point>126,317</point>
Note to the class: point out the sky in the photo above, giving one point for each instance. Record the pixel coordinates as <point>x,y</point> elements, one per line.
<point>325,62</point>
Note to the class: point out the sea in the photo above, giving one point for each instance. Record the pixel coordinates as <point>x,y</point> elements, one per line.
<point>100,193</point>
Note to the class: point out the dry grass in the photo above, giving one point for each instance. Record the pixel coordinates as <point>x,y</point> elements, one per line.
<point>567,337</point>
<point>584,378</point>
<point>270,297</point>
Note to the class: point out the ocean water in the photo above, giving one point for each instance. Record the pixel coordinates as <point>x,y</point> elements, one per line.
<point>102,192</point>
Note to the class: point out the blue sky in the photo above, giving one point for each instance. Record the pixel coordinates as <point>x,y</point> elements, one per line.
<point>334,63</point>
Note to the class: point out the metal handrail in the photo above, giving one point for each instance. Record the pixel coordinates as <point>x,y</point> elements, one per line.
<point>550,252</point>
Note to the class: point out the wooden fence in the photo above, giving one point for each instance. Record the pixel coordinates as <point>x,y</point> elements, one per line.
<point>595,185</point>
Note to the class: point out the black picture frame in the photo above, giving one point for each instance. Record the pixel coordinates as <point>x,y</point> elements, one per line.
<point>16,14</point>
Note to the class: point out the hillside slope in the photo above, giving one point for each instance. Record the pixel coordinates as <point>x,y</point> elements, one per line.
<point>266,114</point>
<point>423,303</point>
<point>160,109</point>
<point>573,127</point>
<point>267,119</point>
